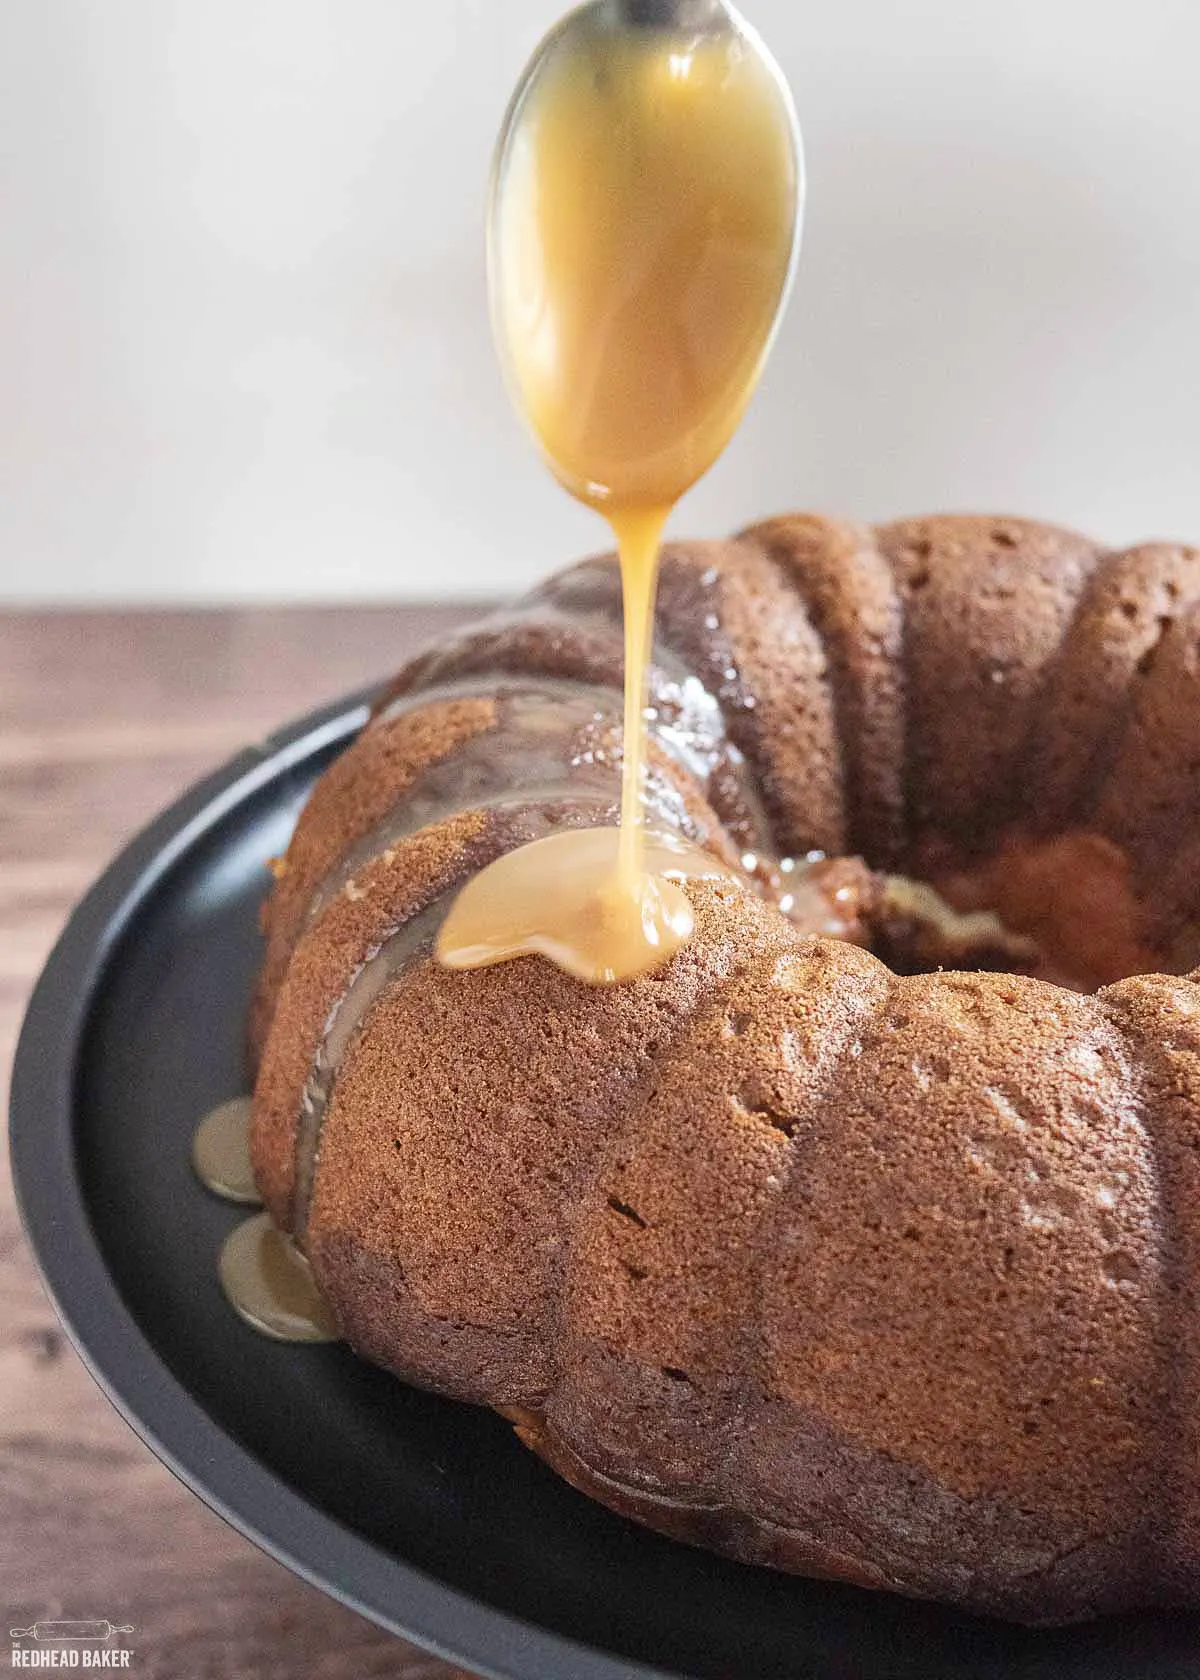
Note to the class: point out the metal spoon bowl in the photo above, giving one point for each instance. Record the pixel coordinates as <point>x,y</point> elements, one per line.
<point>685,26</point>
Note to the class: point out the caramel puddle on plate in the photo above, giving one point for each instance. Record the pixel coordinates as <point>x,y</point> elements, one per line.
<point>221,1152</point>
<point>268,1282</point>
<point>265,1278</point>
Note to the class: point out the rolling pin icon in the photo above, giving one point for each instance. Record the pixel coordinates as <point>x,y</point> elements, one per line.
<point>68,1630</point>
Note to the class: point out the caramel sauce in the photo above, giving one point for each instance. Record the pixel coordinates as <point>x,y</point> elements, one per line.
<point>267,1281</point>
<point>581,918</point>
<point>265,1278</point>
<point>221,1152</point>
<point>646,211</point>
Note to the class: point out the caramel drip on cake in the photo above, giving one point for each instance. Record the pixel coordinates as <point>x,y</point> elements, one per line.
<point>645,223</point>
<point>582,919</point>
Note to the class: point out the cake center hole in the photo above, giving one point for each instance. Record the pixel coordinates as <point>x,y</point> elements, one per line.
<point>1060,908</point>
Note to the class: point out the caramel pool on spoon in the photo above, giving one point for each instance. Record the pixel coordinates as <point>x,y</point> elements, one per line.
<point>645,220</point>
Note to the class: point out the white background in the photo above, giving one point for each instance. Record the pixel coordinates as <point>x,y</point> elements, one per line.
<point>243,336</point>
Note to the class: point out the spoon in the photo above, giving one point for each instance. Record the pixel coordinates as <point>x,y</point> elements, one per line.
<point>617,89</point>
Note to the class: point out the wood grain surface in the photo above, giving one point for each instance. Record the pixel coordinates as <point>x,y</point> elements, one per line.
<point>104,718</point>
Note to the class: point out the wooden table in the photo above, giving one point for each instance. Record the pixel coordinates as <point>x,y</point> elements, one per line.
<point>104,717</point>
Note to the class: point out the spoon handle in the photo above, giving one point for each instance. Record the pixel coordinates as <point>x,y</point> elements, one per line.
<point>671,14</point>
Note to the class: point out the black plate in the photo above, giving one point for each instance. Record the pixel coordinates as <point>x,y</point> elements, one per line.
<point>427,1516</point>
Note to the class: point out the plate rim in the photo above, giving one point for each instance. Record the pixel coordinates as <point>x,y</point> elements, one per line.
<point>393,1594</point>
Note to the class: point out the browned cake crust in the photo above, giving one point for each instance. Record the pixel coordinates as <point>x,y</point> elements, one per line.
<point>877,1275</point>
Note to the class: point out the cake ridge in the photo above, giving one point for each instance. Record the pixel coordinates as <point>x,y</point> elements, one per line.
<point>613,1216</point>
<point>1154,784</point>
<point>604,1148</point>
<point>734,605</point>
<point>1167,1070</point>
<point>1091,695</point>
<point>426,865</point>
<point>873,1001</point>
<point>985,602</point>
<point>356,790</point>
<point>345,1021</point>
<point>825,559</point>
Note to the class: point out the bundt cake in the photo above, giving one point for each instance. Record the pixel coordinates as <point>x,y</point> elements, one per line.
<point>881,1276</point>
